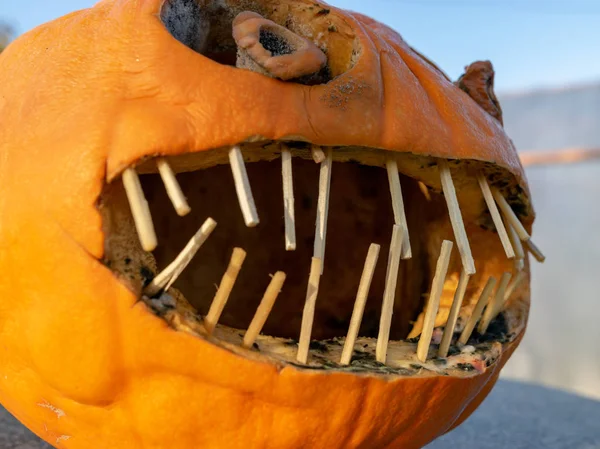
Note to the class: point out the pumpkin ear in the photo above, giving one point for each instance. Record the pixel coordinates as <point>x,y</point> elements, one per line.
<point>478,83</point>
<point>187,22</point>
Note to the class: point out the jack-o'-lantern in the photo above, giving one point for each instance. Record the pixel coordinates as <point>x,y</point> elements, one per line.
<point>320,156</point>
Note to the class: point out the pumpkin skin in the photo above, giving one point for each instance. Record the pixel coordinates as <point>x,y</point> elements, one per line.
<point>85,364</point>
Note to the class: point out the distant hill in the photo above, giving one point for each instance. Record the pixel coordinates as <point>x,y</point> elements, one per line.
<point>553,118</point>
<point>561,345</point>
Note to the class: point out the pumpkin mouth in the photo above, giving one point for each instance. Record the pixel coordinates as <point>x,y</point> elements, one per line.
<point>359,217</point>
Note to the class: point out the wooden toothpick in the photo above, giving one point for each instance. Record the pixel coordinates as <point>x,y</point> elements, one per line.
<point>318,154</point>
<point>514,221</point>
<point>495,213</point>
<point>288,200</point>
<point>459,296</point>
<point>433,303</point>
<point>165,279</point>
<point>389,294</point>
<point>510,215</point>
<point>264,309</point>
<point>517,281</point>
<point>517,246</point>
<point>139,210</point>
<point>224,291</point>
<point>535,251</point>
<point>398,205</point>
<point>242,186</point>
<point>491,309</point>
<point>173,188</point>
<point>308,315</point>
<point>477,311</point>
<point>359,304</point>
<point>323,208</point>
<point>456,218</point>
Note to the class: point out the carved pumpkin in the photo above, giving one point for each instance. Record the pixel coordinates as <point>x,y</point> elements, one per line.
<point>92,358</point>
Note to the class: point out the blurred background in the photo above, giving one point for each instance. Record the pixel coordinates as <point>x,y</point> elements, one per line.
<point>547,59</point>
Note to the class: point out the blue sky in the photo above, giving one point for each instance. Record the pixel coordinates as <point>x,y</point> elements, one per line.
<point>532,43</point>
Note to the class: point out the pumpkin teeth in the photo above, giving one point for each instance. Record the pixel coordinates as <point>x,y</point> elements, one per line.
<point>169,275</point>
<point>426,331</point>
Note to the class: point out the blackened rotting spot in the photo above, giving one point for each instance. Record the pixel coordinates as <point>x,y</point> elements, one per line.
<point>465,367</point>
<point>438,361</point>
<point>497,331</point>
<point>307,202</point>
<point>311,367</point>
<point>366,345</point>
<point>291,342</point>
<point>318,346</point>
<point>255,345</point>
<point>146,275</point>
<point>274,43</point>
<point>187,22</point>
<point>297,145</point>
<point>413,340</point>
<point>332,29</point>
<point>323,12</point>
<point>453,350</point>
<point>127,261</point>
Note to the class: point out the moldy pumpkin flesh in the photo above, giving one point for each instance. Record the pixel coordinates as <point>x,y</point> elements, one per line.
<point>104,107</point>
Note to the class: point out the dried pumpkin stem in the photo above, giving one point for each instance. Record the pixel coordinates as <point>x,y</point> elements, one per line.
<point>398,205</point>
<point>264,309</point>
<point>273,50</point>
<point>433,303</point>
<point>308,314</point>
<point>477,311</point>
<point>456,218</point>
<point>288,200</point>
<point>140,210</point>
<point>495,213</point>
<point>459,296</point>
<point>173,188</point>
<point>389,294</point>
<point>224,291</point>
<point>361,301</point>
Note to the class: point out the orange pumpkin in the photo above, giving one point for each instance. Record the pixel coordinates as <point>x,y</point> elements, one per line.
<point>89,361</point>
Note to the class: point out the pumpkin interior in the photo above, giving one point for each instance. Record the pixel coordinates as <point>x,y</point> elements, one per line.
<point>360,213</point>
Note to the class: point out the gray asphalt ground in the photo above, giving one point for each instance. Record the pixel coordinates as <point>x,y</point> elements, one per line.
<point>516,416</point>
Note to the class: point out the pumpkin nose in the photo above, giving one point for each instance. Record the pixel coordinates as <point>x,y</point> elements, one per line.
<point>273,50</point>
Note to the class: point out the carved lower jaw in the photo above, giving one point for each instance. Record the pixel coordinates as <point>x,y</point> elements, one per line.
<point>359,215</point>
